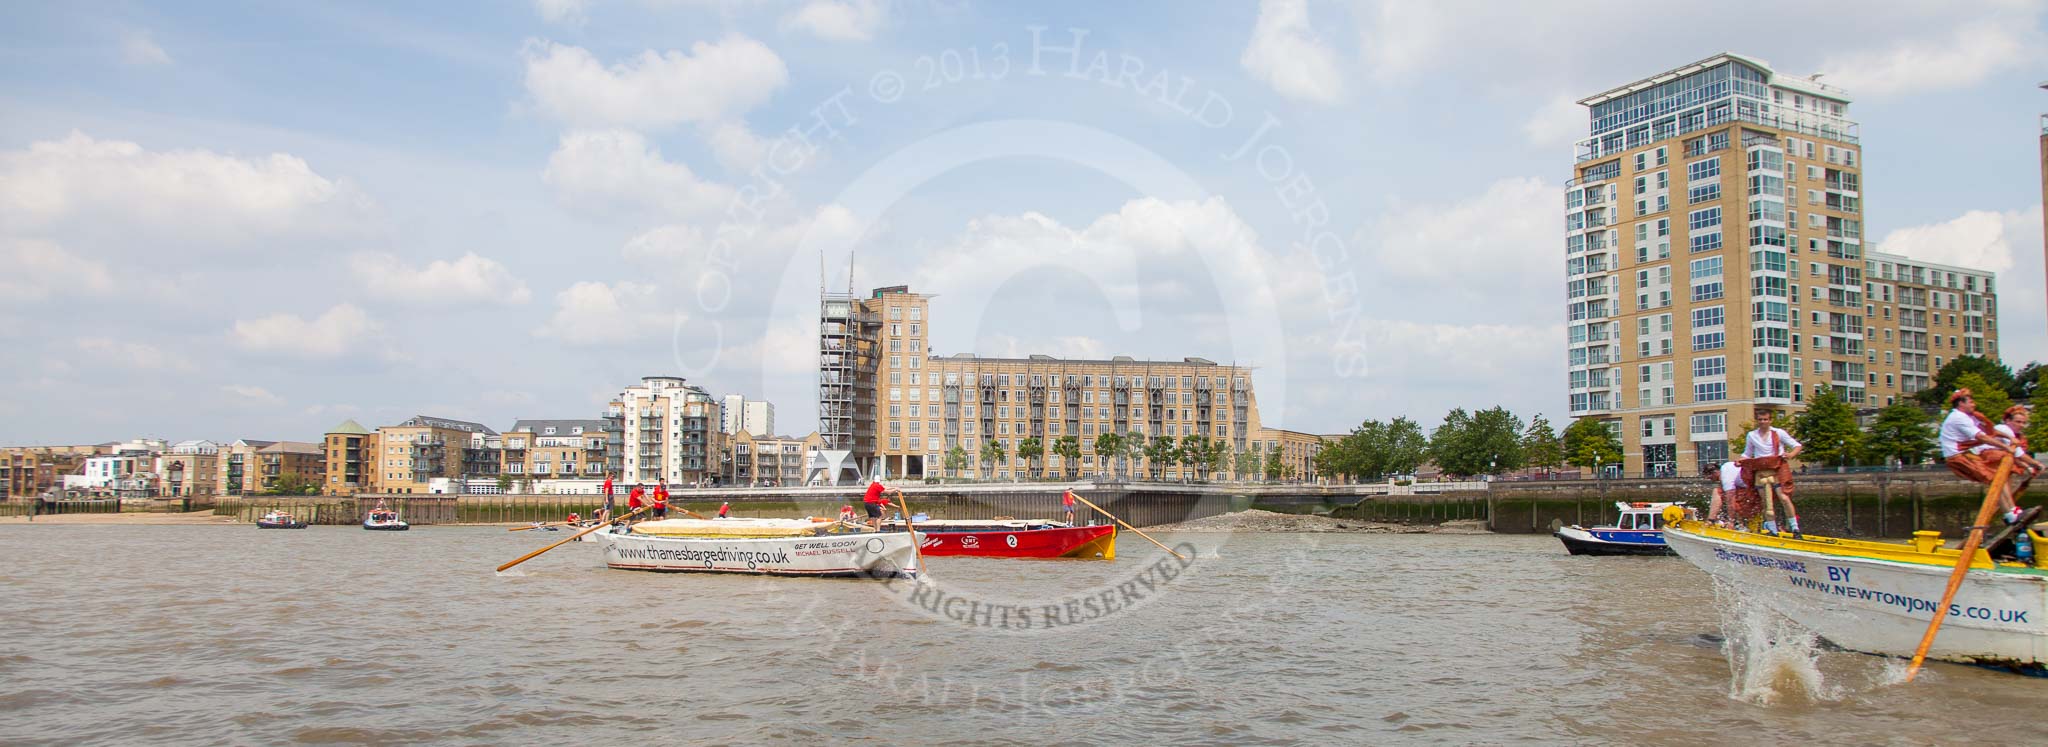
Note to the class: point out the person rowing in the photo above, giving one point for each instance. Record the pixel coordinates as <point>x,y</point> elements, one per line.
<point>2013,426</point>
<point>877,498</point>
<point>1734,502</point>
<point>1770,449</point>
<point>725,510</point>
<point>661,501</point>
<point>1972,448</point>
<point>1067,502</point>
<point>634,500</point>
<point>573,518</point>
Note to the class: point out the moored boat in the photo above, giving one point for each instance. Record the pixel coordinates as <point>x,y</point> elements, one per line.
<point>279,520</point>
<point>685,545</point>
<point>384,521</point>
<point>1878,597</point>
<point>1639,531</point>
<point>1015,538</point>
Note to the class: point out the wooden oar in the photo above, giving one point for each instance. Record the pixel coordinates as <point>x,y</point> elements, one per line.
<point>571,538</point>
<point>916,545</point>
<point>1969,554</point>
<point>1112,517</point>
<point>530,526</point>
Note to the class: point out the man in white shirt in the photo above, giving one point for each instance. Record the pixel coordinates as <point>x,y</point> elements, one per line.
<point>1731,494</point>
<point>1973,450</point>
<point>1771,449</point>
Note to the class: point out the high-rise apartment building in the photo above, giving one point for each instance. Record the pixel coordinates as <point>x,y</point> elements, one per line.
<point>1715,264</point>
<point>669,430</point>
<point>742,415</point>
<point>900,410</point>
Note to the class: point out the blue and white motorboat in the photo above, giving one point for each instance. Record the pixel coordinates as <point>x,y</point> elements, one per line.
<point>1639,532</point>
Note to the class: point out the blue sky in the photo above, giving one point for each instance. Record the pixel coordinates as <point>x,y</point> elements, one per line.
<point>255,220</point>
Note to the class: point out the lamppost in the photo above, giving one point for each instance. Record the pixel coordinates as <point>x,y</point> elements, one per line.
<point>1599,472</point>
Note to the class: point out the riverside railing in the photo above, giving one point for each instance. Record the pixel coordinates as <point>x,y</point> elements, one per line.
<point>49,508</point>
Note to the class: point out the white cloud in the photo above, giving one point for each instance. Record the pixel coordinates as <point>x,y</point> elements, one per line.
<point>132,355</point>
<point>564,12</point>
<point>605,170</point>
<point>139,49</point>
<point>35,270</point>
<point>470,279</point>
<point>252,395</point>
<point>1559,123</point>
<point>839,20</point>
<point>341,330</point>
<point>501,398</point>
<point>593,314</point>
<point>1980,238</point>
<point>213,199</point>
<point>1491,245</point>
<point>735,146</point>
<point>1960,58</point>
<point>685,245</point>
<point>714,82</point>
<point>1286,53</point>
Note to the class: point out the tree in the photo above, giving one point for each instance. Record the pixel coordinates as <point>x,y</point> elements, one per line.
<point>1738,439</point>
<point>1134,445</point>
<point>1069,449</point>
<point>1216,457</point>
<point>956,460</point>
<point>2037,428</point>
<point>1995,374</point>
<point>1485,442</point>
<point>1247,464</point>
<point>1030,450</point>
<point>1403,447</point>
<point>1274,468</point>
<point>1445,442</point>
<point>1193,453</point>
<point>293,483</point>
<point>1991,400</point>
<point>1539,445</point>
<point>1901,431</point>
<point>1108,447</point>
<point>1589,442</point>
<point>1828,428</point>
<point>1160,452</point>
<point>504,483</point>
<point>2027,382</point>
<point>992,453</point>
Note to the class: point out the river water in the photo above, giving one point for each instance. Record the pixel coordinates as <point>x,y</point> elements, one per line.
<point>210,635</point>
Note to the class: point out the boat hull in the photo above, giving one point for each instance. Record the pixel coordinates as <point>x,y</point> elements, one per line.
<point>872,555</point>
<point>1052,542</point>
<point>1862,597</point>
<point>1580,541</point>
<point>394,527</point>
<point>280,524</point>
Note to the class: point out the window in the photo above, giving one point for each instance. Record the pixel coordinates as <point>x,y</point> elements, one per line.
<point>1706,169</point>
<point>1709,422</point>
<point>1711,316</point>
<point>1705,367</point>
<point>1705,242</point>
<point>1710,391</point>
<point>1706,267</point>
<point>1703,341</point>
<point>1707,218</point>
<point>1703,193</point>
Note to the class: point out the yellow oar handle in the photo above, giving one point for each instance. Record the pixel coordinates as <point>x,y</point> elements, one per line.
<point>1963,560</point>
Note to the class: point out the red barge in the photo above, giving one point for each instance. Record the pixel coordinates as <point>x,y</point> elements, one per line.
<point>1015,538</point>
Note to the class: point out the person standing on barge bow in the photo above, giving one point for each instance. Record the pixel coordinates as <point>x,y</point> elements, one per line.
<point>1972,448</point>
<point>1734,500</point>
<point>1771,449</point>
<point>877,499</point>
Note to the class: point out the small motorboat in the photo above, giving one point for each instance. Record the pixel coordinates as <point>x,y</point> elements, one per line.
<point>1639,532</point>
<point>381,520</point>
<point>1014,538</point>
<point>279,520</point>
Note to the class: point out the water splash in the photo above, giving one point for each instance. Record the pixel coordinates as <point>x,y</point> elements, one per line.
<point>1770,658</point>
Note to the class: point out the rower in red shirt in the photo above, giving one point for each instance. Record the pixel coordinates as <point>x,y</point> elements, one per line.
<point>876,500</point>
<point>725,510</point>
<point>661,501</point>
<point>633,502</point>
<point>1067,501</point>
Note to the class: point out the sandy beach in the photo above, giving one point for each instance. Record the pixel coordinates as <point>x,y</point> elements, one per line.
<point>126,519</point>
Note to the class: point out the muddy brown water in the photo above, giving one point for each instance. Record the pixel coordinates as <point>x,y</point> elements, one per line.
<point>232,635</point>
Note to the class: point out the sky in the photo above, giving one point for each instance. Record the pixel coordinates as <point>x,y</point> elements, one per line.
<point>233,220</point>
